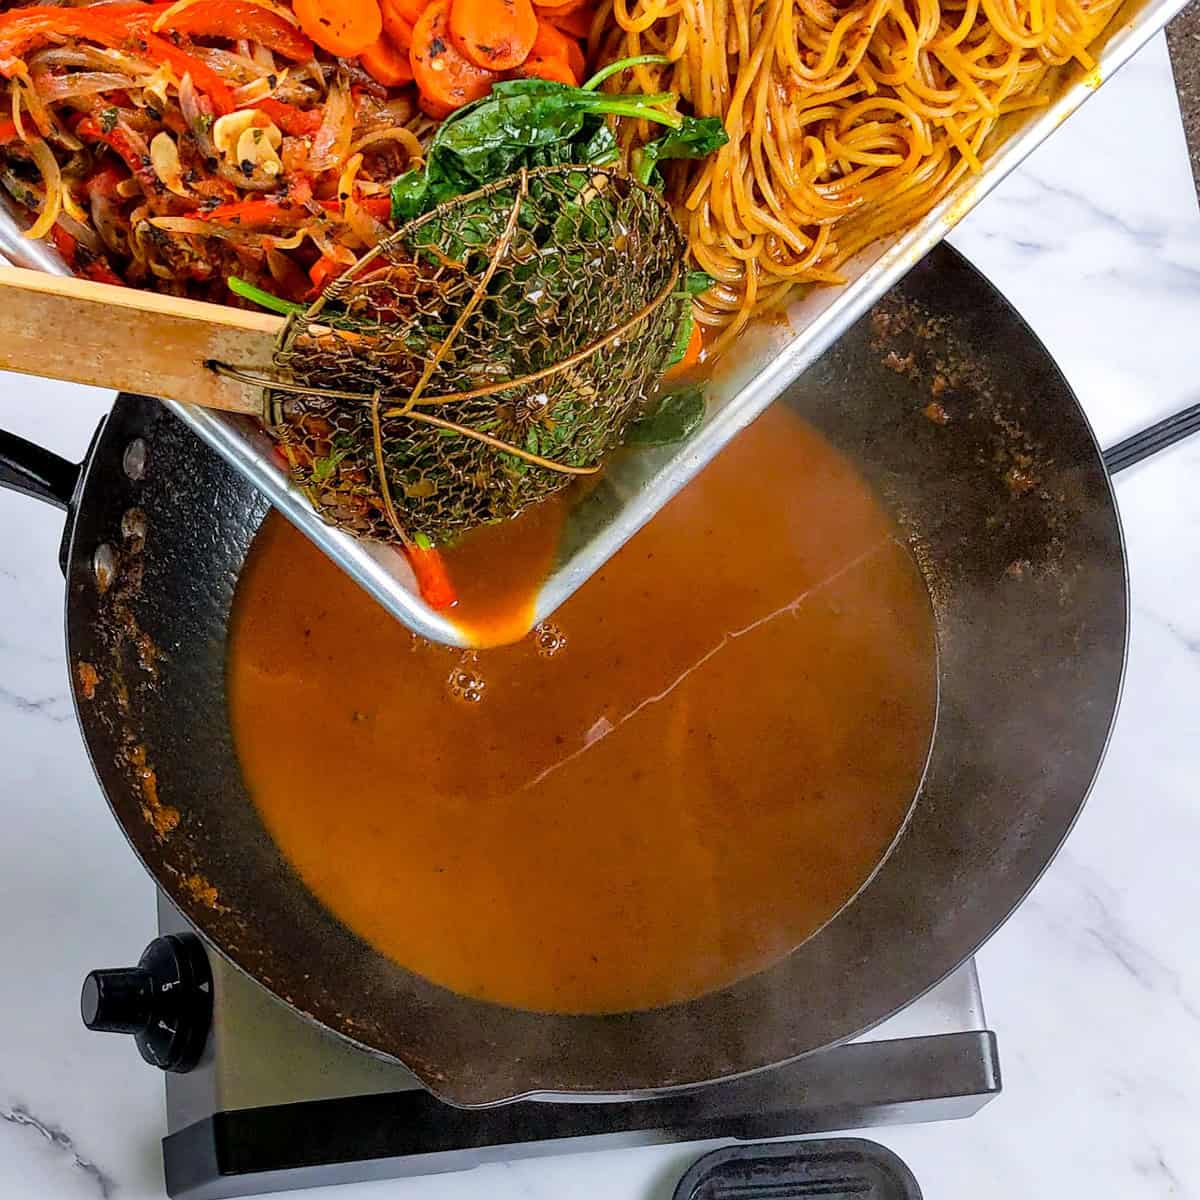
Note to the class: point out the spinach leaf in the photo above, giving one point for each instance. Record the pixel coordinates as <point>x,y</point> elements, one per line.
<point>697,137</point>
<point>683,335</point>
<point>533,123</point>
<point>678,415</point>
<point>601,148</point>
<point>696,282</point>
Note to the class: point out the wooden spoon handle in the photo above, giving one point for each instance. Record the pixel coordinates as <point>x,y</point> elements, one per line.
<point>130,340</point>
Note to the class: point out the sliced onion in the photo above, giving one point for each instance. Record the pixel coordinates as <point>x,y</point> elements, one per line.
<point>292,242</point>
<point>331,249</point>
<point>70,205</point>
<point>138,146</point>
<point>258,89</point>
<point>263,56</point>
<point>311,71</point>
<point>83,234</point>
<point>36,105</point>
<point>285,272</point>
<point>106,217</point>
<point>231,67</point>
<point>198,122</point>
<point>394,133</point>
<point>345,187</point>
<point>332,141</point>
<point>82,54</point>
<point>30,196</point>
<point>158,85</point>
<point>399,111</point>
<point>53,88</point>
<point>47,164</point>
<point>255,183</point>
<point>16,115</point>
<point>191,227</point>
<point>365,227</point>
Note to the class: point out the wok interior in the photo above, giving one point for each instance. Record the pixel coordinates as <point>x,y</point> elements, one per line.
<point>1011,518</point>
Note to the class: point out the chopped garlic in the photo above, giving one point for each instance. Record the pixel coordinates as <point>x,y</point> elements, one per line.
<point>164,158</point>
<point>247,137</point>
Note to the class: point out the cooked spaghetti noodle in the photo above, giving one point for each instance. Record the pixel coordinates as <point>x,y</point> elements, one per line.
<point>847,122</point>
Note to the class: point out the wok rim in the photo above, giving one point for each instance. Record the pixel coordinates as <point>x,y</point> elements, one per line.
<point>202,918</point>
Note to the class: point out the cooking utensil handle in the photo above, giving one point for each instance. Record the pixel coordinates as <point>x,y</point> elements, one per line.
<point>33,470</point>
<point>130,340</point>
<point>1150,441</point>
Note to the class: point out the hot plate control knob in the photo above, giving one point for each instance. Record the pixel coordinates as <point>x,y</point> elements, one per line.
<point>165,1001</point>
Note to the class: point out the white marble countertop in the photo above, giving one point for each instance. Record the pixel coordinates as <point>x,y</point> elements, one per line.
<point>1093,987</point>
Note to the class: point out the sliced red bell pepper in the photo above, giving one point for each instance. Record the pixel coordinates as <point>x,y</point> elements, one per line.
<point>103,181</point>
<point>380,207</point>
<point>116,139</point>
<point>203,76</point>
<point>112,25</point>
<point>322,271</point>
<point>83,264</point>
<point>293,121</point>
<point>65,244</point>
<point>234,19</point>
<point>98,270</point>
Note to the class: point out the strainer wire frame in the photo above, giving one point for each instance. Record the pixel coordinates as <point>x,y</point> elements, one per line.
<point>271,408</point>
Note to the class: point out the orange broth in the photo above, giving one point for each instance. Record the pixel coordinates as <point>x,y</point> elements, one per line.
<point>683,776</point>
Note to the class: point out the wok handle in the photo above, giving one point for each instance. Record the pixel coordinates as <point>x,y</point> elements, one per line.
<point>33,470</point>
<point>1150,441</point>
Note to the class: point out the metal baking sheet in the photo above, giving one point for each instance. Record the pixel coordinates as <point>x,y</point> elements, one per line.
<point>767,358</point>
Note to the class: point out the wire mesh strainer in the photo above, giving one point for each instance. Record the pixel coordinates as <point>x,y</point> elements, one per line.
<point>482,355</point>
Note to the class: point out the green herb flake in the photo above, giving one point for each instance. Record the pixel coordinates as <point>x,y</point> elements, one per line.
<point>323,468</point>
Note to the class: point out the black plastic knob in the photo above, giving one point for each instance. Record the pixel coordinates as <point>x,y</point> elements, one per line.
<point>165,1001</point>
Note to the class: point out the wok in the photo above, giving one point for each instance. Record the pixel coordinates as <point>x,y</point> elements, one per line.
<point>1010,513</point>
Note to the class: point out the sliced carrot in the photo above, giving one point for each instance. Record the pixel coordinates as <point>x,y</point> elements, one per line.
<point>691,355</point>
<point>576,22</point>
<point>433,580</point>
<point>553,43</point>
<point>432,108</point>
<point>445,77</point>
<point>495,34</point>
<point>410,10</point>
<point>387,63</point>
<point>343,27</point>
<point>555,69</point>
<point>396,24</point>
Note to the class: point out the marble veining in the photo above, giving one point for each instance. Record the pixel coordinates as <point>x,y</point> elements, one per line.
<point>1093,987</point>
<point>60,1141</point>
